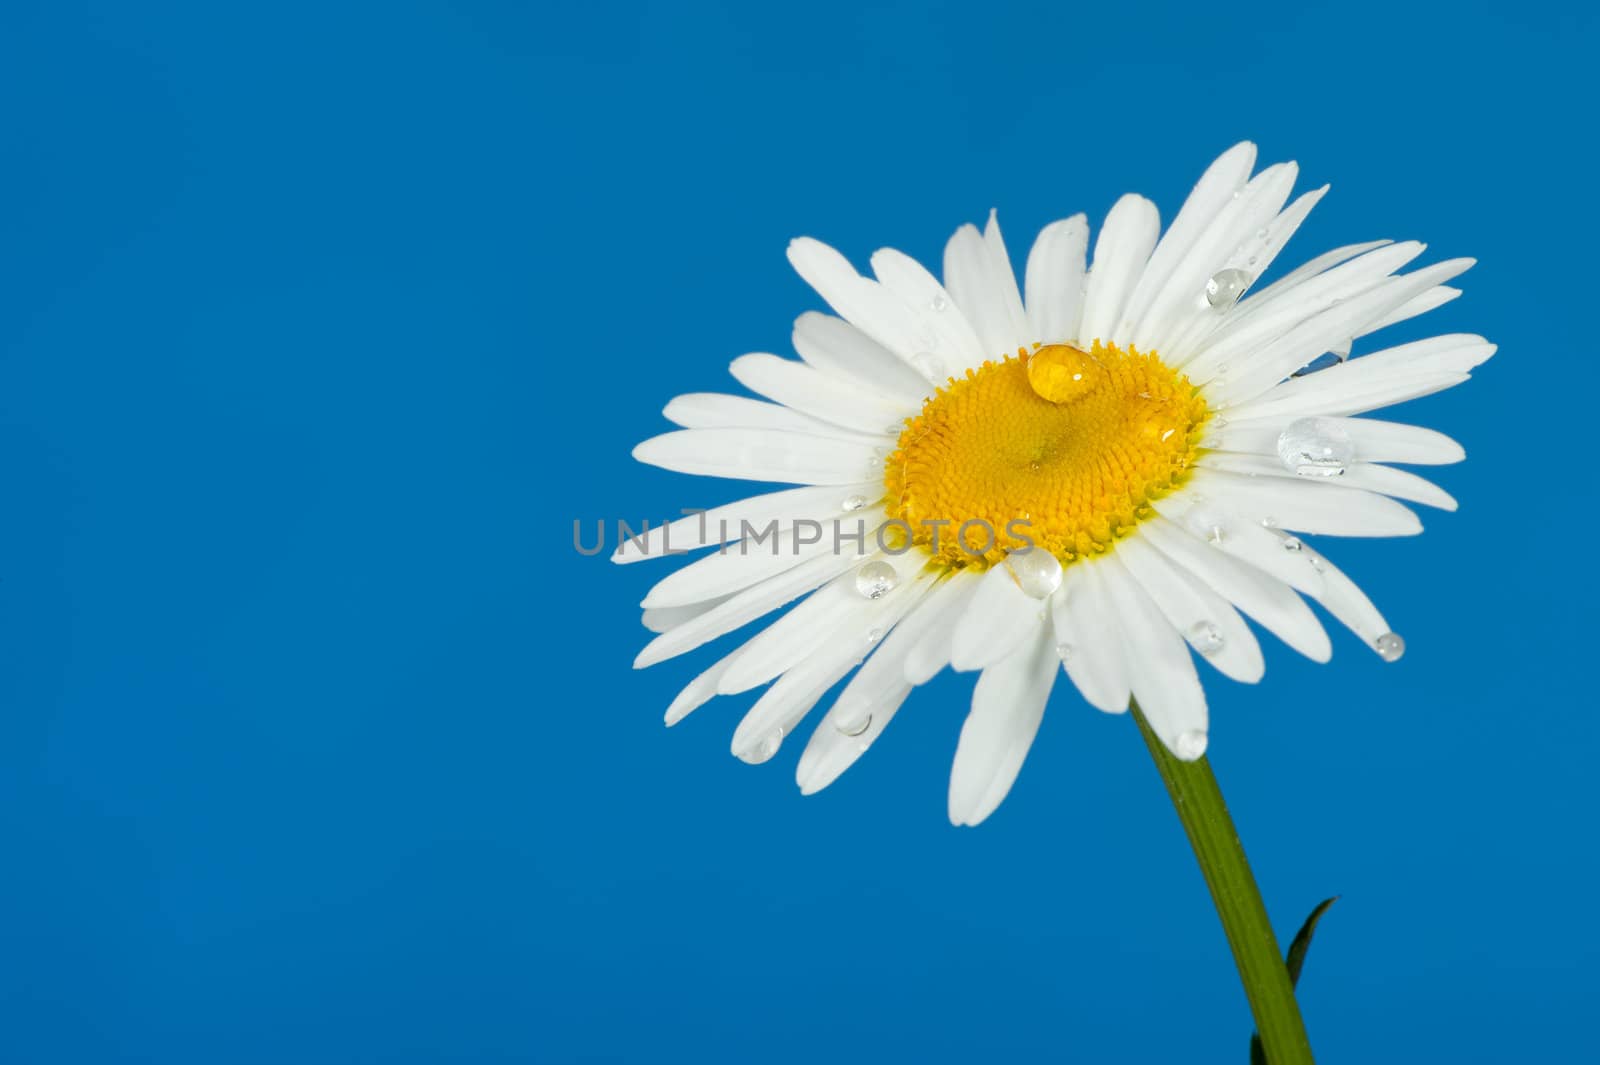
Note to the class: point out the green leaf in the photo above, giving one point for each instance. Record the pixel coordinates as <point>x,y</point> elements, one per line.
<point>1294,962</point>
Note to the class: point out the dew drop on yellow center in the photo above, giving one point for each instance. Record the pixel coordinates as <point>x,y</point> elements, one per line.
<point>1065,447</point>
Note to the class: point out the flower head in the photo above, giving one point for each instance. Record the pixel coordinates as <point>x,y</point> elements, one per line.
<point>1099,471</point>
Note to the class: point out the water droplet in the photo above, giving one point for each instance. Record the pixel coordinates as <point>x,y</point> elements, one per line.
<point>1293,543</point>
<point>763,751</point>
<point>1065,650</point>
<point>1191,744</point>
<point>940,302</point>
<point>1226,286</point>
<point>1315,447</point>
<point>1036,571</point>
<point>1268,522</point>
<point>876,579</point>
<point>929,365</point>
<point>1206,637</point>
<point>1261,234</point>
<point>1390,646</point>
<point>874,635</point>
<point>1062,373</point>
<point>854,502</point>
<point>852,724</point>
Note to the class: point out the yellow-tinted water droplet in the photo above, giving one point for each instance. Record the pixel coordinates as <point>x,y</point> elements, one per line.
<point>1061,373</point>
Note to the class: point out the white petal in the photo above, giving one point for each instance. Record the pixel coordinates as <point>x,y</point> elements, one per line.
<point>667,618</point>
<point>930,653</point>
<point>1420,304</point>
<point>1364,475</point>
<point>1228,243</point>
<point>1374,440</point>
<point>869,702</point>
<point>978,274</point>
<point>1270,601</point>
<point>809,677</point>
<point>1193,323</point>
<point>830,752</point>
<point>732,612</point>
<point>753,559</point>
<point>720,525</point>
<point>1237,531</point>
<point>1350,605</point>
<point>1372,381</point>
<point>1345,396</point>
<point>1163,675</point>
<point>1089,648</point>
<point>1007,705</point>
<point>697,692</point>
<point>759,455</point>
<point>1311,268</point>
<point>1219,187</point>
<point>911,281</point>
<point>1205,619</point>
<point>1309,507</point>
<point>810,391</point>
<point>1055,280</point>
<point>714,410</point>
<point>880,314</point>
<point>1120,254</point>
<point>1260,319</point>
<point>821,620</point>
<point>1261,370</point>
<point>996,620</point>
<point>836,347</point>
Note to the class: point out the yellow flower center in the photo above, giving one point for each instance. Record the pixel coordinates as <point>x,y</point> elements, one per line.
<point>1061,447</point>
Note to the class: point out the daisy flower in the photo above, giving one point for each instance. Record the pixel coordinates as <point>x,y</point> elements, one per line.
<point>1104,470</point>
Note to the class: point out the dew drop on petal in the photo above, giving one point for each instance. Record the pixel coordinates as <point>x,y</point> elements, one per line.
<point>876,579</point>
<point>1065,651</point>
<point>1390,646</point>
<point>1191,744</point>
<point>940,302</point>
<point>1293,543</point>
<point>1315,447</point>
<point>874,635</point>
<point>1206,637</point>
<point>1036,571</point>
<point>853,503</point>
<point>852,724</point>
<point>1226,286</point>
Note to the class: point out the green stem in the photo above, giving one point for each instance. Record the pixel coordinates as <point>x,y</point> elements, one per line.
<point>1198,800</point>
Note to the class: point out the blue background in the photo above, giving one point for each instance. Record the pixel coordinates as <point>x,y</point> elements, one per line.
<point>318,742</point>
